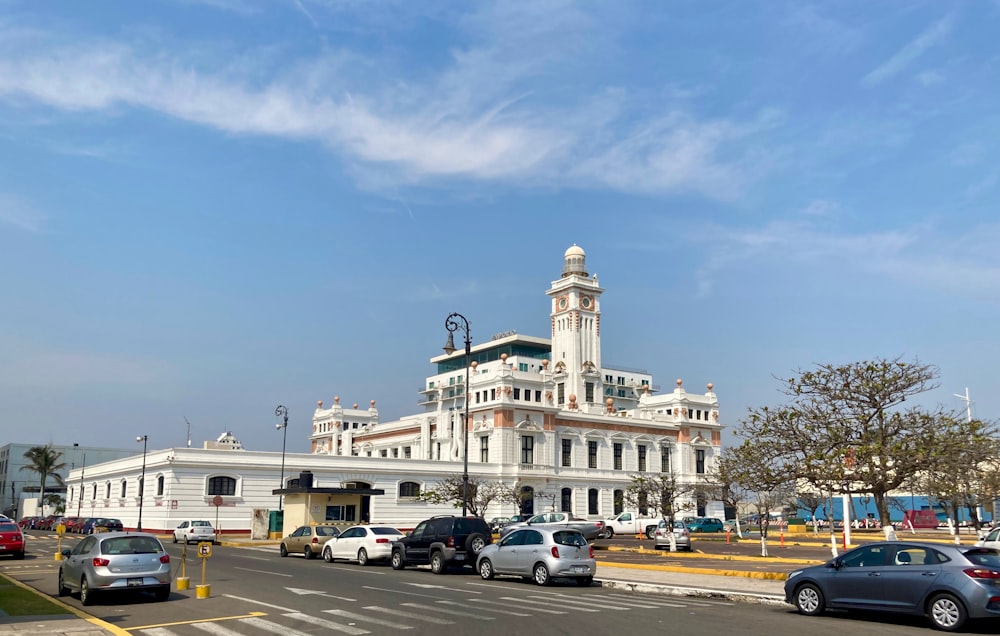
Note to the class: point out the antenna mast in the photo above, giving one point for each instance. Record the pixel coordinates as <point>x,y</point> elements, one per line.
<point>189,431</point>
<point>968,403</point>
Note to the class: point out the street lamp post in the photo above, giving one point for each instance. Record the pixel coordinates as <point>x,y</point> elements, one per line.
<point>83,469</point>
<point>282,412</point>
<point>142,480</point>
<point>452,324</point>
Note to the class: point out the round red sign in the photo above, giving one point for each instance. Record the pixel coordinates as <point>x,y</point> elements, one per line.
<point>217,500</point>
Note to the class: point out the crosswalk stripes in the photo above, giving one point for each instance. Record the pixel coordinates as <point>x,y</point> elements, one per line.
<point>403,617</point>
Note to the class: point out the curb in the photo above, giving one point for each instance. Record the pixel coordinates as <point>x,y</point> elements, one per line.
<point>693,592</point>
<point>766,576</point>
<point>93,620</point>
<point>725,557</point>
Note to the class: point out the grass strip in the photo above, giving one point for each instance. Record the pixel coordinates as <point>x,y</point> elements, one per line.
<point>18,601</point>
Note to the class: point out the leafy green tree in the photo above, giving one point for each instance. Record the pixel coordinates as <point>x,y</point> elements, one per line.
<point>850,427</point>
<point>968,476</point>
<point>44,461</point>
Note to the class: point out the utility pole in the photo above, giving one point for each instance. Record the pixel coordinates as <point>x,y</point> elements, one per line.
<point>968,404</point>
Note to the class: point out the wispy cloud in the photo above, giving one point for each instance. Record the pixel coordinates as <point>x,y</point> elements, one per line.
<point>21,214</point>
<point>933,35</point>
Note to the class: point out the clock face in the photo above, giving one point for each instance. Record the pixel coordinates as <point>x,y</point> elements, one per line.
<point>563,302</point>
<point>587,302</point>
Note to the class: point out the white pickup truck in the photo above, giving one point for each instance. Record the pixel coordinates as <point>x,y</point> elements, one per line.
<point>630,523</point>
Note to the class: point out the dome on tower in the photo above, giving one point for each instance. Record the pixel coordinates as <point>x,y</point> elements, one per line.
<point>574,261</point>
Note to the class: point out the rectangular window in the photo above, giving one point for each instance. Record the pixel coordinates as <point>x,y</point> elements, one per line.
<point>608,379</point>
<point>484,449</point>
<point>621,380</point>
<point>699,462</point>
<point>618,455</point>
<point>567,452</point>
<point>517,393</point>
<point>522,366</point>
<point>406,452</point>
<point>538,396</point>
<point>589,393</point>
<point>642,458</point>
<point>527,449</point>
<point>395,453</point>
<point>341,513</point>
<point>383,452</point>
<point>591,454</point>
<point>477,397</point>
<point>664,458</point>
<point>493,394</point>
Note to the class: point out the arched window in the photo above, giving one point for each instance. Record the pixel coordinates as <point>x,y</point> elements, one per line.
<point>124,487</point>
<point>527,500</point>
<point>619,501</point>
<point>94,493</point>
<point>107,490</point>
<point>410,489</point>
<point>592,501</point>
<point>159,485</point>
<point>566,503</point>
<point>221,485</point>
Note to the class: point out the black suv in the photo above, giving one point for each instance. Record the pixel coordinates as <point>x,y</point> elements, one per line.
<point>442,541</point>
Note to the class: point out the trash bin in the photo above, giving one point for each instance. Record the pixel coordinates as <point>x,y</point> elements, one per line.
<point>276,523</point>
<point>796,524</point>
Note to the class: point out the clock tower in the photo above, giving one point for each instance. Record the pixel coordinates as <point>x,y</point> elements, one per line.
<point>576,333</point>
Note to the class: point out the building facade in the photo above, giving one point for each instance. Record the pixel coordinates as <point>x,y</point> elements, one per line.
<point>544,414</point>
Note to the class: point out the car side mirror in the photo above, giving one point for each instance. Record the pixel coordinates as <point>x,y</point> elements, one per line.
<point>66,552</point>
<point>835,564</point>
<point>409,534</point>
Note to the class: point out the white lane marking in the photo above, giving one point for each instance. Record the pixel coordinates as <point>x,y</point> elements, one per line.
<point>158,631</point>
<point>533,609</point>
<point>614,599</point>
<point>488,609</point>
<point>574,603</point>
<point>382,589</point>
<point>250,600</point>
<point>262,571</point>
<point>277,628</point>
<point>301,592</point>
<point>416,617</point>
<point>313,620</point>
<point>362,618</point>
<point>215,629</point>
<point>463,614</point>
<point>541,602</point>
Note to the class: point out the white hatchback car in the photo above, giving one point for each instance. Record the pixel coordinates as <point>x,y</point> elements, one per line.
<point>362,544</point>
<point>196,530</point>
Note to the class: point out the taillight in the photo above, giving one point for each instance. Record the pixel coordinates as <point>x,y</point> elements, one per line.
<point>381,541</point>
<point>100,563</point>
<point>555,552</point>
<point>315,540</point>
<point>981,573</point>
<point>450,542</point>
<point>165,558</point>
<point>591,551</point>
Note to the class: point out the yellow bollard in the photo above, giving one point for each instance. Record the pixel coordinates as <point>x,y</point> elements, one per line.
<point>202,591</point>
<point>183,582</point>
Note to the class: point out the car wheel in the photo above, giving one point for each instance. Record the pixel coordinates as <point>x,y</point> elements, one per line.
<point>362,557</point>
<point>475,543</point>
<point>650,532</point>
<point>327,555</point>
<point>438,565</point>
<point>486,569</point>
<point>585,581</point>
<point>541,574</point>
<point>946,613</point>
<point>19,555</point>
<point>62,589</point>
<point>283,551</point>
<point>609,533</point>
<point>162,593</point>
<point>307,553</point>
<point>86,595</point>
<point>809,600</point>
<point>397,560</point>
<point>175,538</point>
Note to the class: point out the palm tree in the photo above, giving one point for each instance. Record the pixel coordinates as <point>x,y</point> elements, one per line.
<point>44,461</point>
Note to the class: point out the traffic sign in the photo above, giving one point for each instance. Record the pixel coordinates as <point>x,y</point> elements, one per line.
<point>204,549</point>
<point>61,529</point>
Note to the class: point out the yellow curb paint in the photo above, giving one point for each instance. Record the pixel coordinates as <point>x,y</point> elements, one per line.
<point>723,557</point>
<point>202,620</point>
<point>769,576</point>
<point>203,591</point>
<point>93,620</point>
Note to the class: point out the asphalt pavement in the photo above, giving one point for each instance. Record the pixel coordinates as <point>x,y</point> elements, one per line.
<point>720,567</point>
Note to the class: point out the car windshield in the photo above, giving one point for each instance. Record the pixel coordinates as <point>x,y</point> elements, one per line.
<point>203,524</point>
<point>565,537</point>
<point>391,531</point>
<point>984,556</point>
<point>8,527</point>
<point>131,545</point>
<point>327,531</point>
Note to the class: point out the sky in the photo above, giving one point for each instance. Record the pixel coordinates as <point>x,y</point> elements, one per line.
<point>212,207</point>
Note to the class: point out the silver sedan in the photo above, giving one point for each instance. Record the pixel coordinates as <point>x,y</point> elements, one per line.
<point>682,536</point>
<point>541,554</point>
<point>115,562</point>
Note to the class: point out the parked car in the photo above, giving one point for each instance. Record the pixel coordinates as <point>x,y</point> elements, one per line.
<point>194,530</point>
<point>109,525</point>
<point>362,544</point>
<point>498,522</point>
<point>946,583</point>
<point>991,540</point>
<point>308,540</point>
<point>87,527</point>
<point>592,530</point>
<point>542,554</point>
<point>115,562</point>
<point>11,539</point>
<point>682,536</point>
<point>73,524</point>
<point>706,524</point>
<point>441,542</point>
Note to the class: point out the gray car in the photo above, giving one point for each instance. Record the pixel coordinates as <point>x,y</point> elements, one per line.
<point>682,536</point>
<point>946,583</point>
<point>541,554</point>
<point>115,562</point>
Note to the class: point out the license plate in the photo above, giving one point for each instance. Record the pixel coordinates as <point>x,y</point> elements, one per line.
<point>459,557</point>
<point>3,547</point>
<point>134,582</point>
<point>579,568</point>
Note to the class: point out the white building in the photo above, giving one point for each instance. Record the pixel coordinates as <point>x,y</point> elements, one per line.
<point>543,413</point>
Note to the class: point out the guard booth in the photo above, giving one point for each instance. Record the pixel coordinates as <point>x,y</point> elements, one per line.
<point>306,504</point>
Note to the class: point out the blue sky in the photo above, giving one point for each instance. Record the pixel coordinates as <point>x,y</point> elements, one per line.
<point>212,207</point>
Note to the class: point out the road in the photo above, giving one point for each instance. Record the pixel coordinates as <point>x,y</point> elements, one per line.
<point>254,591</point>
